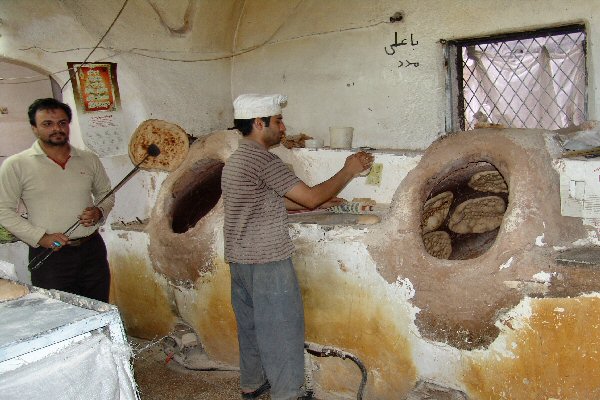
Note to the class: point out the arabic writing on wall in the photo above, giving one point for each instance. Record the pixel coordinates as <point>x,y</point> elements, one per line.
<point>391,50</point>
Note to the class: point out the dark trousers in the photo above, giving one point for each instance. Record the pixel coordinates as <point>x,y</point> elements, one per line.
<point>82,270</point>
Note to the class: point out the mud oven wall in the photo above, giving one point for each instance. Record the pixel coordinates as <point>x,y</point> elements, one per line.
<point>498,319</point>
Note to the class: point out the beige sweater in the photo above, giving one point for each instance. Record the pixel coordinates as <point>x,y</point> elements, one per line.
<point>54,197</point>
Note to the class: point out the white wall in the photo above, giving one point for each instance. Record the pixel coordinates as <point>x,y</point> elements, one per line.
<point>174,60</point>
<point>183,78</point>
<point>316,166</point>
<point>329,57</point>
<point>16,95</point>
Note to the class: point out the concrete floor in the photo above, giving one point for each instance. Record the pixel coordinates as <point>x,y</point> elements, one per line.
<point>158,379</point>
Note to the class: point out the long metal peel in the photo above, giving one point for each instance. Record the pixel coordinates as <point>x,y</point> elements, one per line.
<point>37,261</point>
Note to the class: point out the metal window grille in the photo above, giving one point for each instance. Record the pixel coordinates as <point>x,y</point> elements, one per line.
<point>524,80</point>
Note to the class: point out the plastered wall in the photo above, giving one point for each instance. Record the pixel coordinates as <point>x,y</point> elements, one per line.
<point>184,61</point>
<point>15,97</point>
<point>172,56</point>
<point>333,59</point>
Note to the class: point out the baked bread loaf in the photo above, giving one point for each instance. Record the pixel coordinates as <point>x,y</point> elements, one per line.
<point>171,139</point>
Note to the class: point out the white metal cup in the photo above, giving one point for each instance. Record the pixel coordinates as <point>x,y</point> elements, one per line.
<point>340,137</point>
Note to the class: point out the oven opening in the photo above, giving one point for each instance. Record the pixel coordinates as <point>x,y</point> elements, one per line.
<point>195,194</point>
<point>463,212</point>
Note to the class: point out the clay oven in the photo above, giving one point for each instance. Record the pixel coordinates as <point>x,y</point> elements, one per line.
<point>477,267</point>
<point>188,216</point>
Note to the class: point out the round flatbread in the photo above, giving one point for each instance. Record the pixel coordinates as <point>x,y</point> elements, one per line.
<point>435,211</point>
<point>438,244</point>
<point>488,181</point>
<point>479,215</point>
<point>10,290</point>
<point>171,139</point>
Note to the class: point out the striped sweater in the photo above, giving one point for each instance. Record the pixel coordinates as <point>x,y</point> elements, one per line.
<point>253,183</point>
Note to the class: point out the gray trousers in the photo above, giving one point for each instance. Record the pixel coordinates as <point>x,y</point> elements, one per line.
<point>268,308</point>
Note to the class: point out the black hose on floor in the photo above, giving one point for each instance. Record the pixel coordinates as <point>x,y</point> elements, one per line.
<point>328,351</point>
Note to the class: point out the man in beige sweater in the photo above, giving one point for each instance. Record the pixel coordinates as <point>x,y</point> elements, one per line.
<point>58,184</point>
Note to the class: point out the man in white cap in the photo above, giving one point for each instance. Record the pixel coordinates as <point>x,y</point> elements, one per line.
<point>258,189</point>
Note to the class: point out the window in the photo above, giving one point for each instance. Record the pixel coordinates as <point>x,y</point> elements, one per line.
<point>522,80</point>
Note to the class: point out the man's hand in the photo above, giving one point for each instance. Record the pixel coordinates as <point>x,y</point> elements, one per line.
<point>313,197</point>
<point>359,162</point>
<point>90,216</point>
<point>54,241</point>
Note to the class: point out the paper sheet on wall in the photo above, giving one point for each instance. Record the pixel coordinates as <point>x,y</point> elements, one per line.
<point>101,133</point>
<point>580,187</point>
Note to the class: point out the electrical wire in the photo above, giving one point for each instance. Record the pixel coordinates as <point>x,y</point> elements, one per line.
<point>99,41</point>
<point>140,51</point>
<point>328,351</point>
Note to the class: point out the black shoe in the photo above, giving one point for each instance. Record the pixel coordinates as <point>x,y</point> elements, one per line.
<point>264,388</point>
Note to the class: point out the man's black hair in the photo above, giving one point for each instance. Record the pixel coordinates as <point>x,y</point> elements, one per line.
<point>47,104</point>
<point>245,125</point>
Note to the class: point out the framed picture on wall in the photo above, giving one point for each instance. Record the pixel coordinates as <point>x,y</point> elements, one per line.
<point>95,86</point>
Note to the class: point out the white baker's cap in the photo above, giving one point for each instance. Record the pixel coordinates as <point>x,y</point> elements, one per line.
<point>248,106</point>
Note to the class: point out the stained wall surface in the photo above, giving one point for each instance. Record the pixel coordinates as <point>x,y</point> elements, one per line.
<point>471,326</point>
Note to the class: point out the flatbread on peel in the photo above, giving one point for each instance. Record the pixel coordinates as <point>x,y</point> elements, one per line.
<point>171,139</point>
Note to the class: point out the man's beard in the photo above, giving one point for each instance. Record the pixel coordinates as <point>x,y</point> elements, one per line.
<point>59,139</point>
